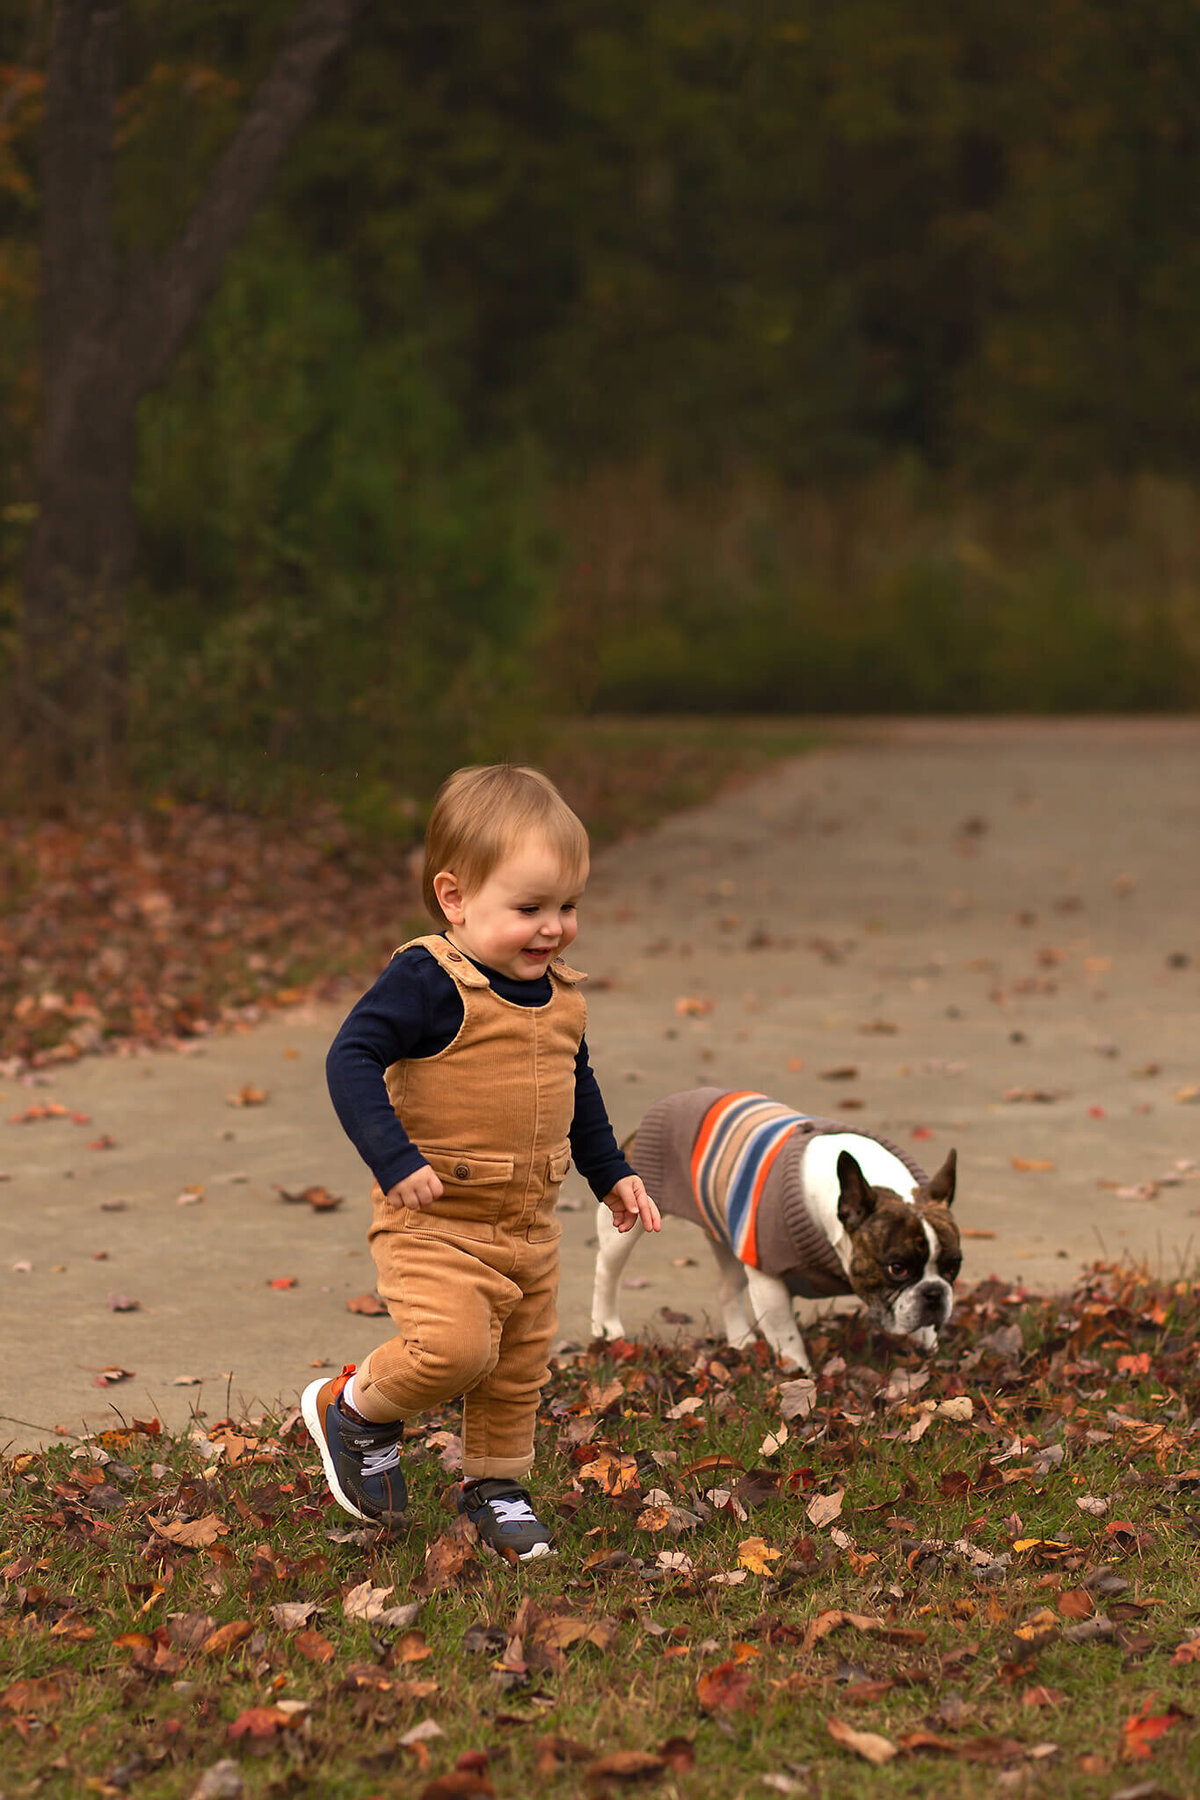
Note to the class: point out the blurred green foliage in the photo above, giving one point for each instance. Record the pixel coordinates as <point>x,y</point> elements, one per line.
<point>649,353</point>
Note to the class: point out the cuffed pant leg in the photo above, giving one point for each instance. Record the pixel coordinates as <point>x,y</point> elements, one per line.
<point>500,1410</point>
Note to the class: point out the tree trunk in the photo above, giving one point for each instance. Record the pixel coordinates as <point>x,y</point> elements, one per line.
<point>105,342</point>
<point>70,675</point>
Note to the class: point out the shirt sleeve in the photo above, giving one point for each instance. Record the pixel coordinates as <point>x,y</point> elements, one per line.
<point>593,1143</point>
<point>392,1020</point>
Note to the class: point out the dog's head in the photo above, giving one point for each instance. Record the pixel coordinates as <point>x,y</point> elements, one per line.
<point>905,1255</point>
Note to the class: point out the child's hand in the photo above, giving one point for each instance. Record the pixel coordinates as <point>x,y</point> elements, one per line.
<point>628,1202</point>
<point>419,1189</point>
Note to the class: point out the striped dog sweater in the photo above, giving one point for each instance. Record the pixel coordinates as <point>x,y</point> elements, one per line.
<point>739,1140</point>
<point>731,1162</point>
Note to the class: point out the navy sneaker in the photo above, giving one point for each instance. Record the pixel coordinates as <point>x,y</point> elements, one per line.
<point>502,1515</point>
<point>362,1462</point>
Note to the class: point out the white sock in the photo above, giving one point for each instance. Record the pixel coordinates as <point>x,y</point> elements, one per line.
<point>347,1396</point>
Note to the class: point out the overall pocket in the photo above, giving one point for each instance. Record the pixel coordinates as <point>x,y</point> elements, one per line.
<point>475,1188</point>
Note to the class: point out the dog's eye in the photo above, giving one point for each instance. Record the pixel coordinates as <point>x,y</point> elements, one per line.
<point>950,1266</point>
<point>898,1271</point>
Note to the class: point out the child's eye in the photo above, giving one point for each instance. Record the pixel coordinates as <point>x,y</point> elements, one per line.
<point>531,910</point>
<point>570,907</point>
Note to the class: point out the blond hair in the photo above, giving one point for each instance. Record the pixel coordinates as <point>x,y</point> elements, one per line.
<point>480,814</point>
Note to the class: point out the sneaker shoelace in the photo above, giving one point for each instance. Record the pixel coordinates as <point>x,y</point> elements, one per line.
<point>513,1512</point>
<point>381,1461</point>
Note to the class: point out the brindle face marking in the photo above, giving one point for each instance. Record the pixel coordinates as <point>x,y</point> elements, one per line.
<point>905,1256</point>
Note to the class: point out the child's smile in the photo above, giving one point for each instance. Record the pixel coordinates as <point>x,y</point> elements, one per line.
<point>521,917</point>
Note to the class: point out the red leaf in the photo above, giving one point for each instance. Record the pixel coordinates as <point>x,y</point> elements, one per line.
<point>1142,1728</point>
<point>724,1689</point>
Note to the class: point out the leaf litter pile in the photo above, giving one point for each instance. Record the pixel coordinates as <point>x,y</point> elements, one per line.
<point>174,920</point>
<point>161,925</point>
<point>976,1575</point>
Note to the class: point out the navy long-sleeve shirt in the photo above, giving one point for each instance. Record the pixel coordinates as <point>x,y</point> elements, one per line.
<point>414,1010</point>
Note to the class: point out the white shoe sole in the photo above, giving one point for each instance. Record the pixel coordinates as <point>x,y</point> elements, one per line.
<point>312,1418</point>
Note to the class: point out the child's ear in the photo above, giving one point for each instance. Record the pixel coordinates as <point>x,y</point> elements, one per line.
<point>449,896</point>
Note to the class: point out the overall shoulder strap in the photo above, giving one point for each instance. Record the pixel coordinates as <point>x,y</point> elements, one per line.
<point>448,958</point>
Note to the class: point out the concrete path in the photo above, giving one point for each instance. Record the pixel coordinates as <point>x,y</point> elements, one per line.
<point>973,933</point>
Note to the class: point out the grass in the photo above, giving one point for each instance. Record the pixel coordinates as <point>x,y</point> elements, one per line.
<point>691,1633</point>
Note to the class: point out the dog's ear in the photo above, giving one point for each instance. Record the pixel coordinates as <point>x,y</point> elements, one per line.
<point>856,1202</point>
<point>941,1187</point>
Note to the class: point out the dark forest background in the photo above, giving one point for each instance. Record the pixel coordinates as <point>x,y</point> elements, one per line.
<point>644,356</point>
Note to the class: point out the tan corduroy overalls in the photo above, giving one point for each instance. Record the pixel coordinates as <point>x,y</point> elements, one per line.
<point>471,1282</point>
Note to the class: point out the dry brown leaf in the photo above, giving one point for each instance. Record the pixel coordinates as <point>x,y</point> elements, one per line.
<point>313,1646</point>
<point>725,1688</point>
<point>227,1637</point>
<point>365,1601</point>
<point>877,1750</point>
<point>248,1095</point>
<point>371,1305</point>
<point>37,1694</point>
<point>626,1765</point>
<point>823,1509</point>
<point>189,1534</point>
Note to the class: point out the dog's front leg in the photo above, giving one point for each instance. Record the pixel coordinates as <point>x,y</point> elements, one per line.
<point>772,1307</point>
<point>731,1288</point>
<point>613,1251</point>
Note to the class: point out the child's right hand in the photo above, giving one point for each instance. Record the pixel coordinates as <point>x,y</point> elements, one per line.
<point>419,1189</point>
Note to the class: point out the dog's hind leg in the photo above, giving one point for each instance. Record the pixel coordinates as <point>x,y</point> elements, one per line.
<point>772,1305</point>
<point>731,1288</point>
<point>614,1248</point>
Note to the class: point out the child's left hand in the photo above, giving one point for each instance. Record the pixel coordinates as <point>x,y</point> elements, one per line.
<point>628,1202</point>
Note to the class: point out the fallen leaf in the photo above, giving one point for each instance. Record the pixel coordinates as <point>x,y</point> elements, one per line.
<point>365,1601</point>
<point>122,1303</point>
<point>626,1765</point>
<point>292,1614</point>
<point>282,1281</point>
<point>753,1554</point>
<point>447,1558</point>
<point>319,1198</point>
<point>1032,1165</point>
<point>797,1398</point>
<point>877,1750</point>
<point>261,1723</point>
<point>724,1689</point>
<point>227,1637</point>
<point>823,1509</point>
<point>1141,1729</point>
<point>420,1734</point>
<point>190,1534</point>
<point>37,1694</point>
<point>369,1304</point>
<point>248,1095</point>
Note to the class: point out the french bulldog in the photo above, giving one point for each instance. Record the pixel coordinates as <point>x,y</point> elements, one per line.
<point>792,1205</point>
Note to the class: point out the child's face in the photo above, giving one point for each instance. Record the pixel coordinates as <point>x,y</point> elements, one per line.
<point>521,916</point>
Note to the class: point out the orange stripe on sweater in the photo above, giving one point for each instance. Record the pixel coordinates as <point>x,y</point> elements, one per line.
<point>712,1119</point>
<point>749,1250</point>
